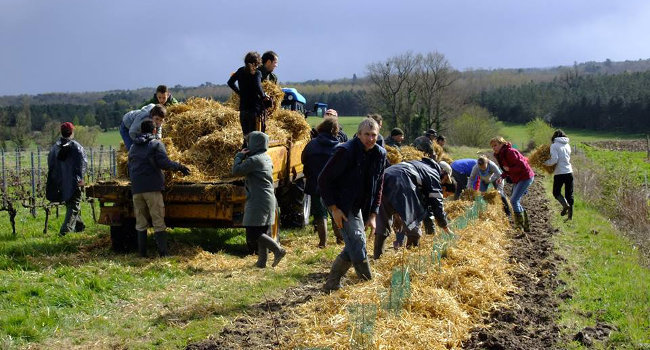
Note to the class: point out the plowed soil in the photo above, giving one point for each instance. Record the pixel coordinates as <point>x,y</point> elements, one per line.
<point>621,145</point>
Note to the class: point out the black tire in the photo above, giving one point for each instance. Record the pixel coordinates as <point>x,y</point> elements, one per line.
<point>124,238</point>
<point>295,205</point>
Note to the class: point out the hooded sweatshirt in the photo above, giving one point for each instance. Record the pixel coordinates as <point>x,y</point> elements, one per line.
<point>66,167</point>
<point>147,157</point>
<point>257,167</point>
<point>561,156</point>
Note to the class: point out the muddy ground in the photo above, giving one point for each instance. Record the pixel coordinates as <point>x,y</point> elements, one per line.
<point>639,145</point>
<point>529,322</point>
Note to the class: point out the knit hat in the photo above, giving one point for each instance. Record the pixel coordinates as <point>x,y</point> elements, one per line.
<point>332,112</point>
<point>67,128</point>
<point>396,131</point>
<point>445,167</point>
<point>431,132</point>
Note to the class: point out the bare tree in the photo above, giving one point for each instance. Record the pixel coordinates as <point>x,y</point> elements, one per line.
<point>394,84</point>
<point>435,76</point>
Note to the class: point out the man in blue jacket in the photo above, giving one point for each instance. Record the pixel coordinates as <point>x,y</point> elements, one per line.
<point>147,158</point>
<point>411,190</point>
<point>351,185</point>
<point>66,164</point>
<point>462,169</point>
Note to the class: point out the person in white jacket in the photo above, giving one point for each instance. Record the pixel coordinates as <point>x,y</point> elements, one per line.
<point>563,174</point>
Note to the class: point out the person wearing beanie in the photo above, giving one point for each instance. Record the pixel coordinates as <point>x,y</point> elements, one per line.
<point>66,164</point>
<point>396,138</point>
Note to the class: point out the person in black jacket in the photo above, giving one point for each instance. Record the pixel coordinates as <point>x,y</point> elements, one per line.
<point>269,63</point>
<point>66,164</point>
<point>350,185</point>
<point>411,189</point>
<point>147,158</point>
<point>314,156</point>
<point>251,94</point>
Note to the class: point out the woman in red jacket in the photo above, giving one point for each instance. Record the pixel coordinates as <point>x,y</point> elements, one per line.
<point>516,167</point>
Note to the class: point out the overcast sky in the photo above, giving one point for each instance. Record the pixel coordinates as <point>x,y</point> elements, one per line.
<point>88,45</point>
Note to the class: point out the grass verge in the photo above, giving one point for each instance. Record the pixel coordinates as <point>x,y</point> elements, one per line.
<point>604,277</point>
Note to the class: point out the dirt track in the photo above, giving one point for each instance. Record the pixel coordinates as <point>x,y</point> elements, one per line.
<point>527,324</point>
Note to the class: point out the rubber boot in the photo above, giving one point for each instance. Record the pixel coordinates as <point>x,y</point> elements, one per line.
<point>363,270</point>
<point>525,224</point>
<point>412,241</point>
<point>337,233</point>
<point>142,243</point>
<point>262,254</point>
<point>429,225</point>
<point>565,205</point>
<point>161,243</point>
<point>570,213</point>
<point>339,267</point>
<point>321,229</point>
<point>269,243</point>
<point>378,250</point>
<point>519,220</point>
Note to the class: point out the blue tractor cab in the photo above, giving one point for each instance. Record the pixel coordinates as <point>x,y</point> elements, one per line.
<point>320,109</point>
<point>293,100</point>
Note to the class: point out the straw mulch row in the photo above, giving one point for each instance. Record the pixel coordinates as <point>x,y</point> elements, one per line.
<point>540,155</point>
<point>205,135</point>
<point>444,305</point>
<point>405,153</point>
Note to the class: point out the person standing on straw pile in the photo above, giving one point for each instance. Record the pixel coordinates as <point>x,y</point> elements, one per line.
<point>351,186</point>
<point>486,172</point>
<point>411,189</point>
<point>251,94</point>
<point>147,158</point>
<point>269,63</point>
<point>259,213</point>
<point>162,96</point>
<point>314,156</point>
<point>131,121</point>
<point>515,166</point>
<point>563,174</point>
<point>66,164</point>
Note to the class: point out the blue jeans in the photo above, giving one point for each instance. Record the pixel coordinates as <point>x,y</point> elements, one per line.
<point>124,132</point>
<point>354,236</point>
<point>519,190</point>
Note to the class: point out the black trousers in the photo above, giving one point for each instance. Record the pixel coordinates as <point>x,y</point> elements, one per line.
<point>252,234</point>
<point>565,180</point>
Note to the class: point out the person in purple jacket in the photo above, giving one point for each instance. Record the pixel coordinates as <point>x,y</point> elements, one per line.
<point>351,185</point>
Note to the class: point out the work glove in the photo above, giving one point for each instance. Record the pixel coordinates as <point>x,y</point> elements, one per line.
<point>184,170</point>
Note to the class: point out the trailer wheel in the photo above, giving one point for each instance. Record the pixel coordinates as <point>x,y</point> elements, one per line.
<point>295,205</point>
<point>124,238</point>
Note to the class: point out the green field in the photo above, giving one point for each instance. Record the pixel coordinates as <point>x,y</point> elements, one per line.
<point>109,138</point>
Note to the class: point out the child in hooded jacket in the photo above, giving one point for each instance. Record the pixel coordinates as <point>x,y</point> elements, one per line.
<point>259,212</point>
<point>563,174</point>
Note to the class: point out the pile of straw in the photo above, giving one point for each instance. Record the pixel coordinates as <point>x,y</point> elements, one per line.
<point>205,135</point>
<point>540,155</point>
<point>444,304</point>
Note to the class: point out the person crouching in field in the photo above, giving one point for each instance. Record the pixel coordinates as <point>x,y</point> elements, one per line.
<point>66,165</point>
<point>259,213</point>
<point>563,174</point>
<point>314,156</point>
<point>131,122</point>
<point>486,172</point>
<point>147,157</point>
<point>410,189</point>
<point>515,166</point>
<point>351,185</point>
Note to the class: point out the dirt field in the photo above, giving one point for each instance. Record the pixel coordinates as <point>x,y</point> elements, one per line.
<point>528,322</point>
<point>621,145</point>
